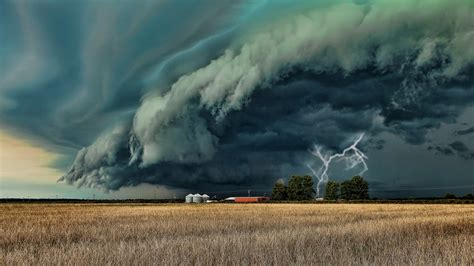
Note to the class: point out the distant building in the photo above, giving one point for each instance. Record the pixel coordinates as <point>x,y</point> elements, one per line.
<point>230,199</point>
<point>249,199</point>
<point>197,198</point>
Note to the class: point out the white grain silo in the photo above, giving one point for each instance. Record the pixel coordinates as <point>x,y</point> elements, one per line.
<point>197,198</point>
<point>205,198</point>
<point>189,198</point>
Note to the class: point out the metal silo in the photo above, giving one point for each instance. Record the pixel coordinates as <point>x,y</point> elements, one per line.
<point>205,198</point>
<point>189,198</point>
<point>197,198</point>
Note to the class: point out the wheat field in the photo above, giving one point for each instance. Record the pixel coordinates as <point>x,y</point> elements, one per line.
<point>236,234</point>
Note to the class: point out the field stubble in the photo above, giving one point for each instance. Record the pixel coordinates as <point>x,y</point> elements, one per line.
<point>236,234</point>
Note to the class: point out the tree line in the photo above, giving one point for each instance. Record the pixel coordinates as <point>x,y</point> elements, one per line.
<point>301,188</point>
<point>354,189</point>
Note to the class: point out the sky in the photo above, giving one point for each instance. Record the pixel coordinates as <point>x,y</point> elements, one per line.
<point>155,99</point>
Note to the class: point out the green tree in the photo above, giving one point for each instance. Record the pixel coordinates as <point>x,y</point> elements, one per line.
<point>468,196</point>
<point>300,188</point>
<point>280,191</point>
<point>294,187</point>
<point>355,189</point>
<point>360,188</point>
<point>346,190</point>
<point>332,190</point>
<point>307,187</point>
<point>449,196</point>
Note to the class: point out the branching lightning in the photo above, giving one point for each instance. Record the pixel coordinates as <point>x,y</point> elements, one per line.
<point>351,155</point>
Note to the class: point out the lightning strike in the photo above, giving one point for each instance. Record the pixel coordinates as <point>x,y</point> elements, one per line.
<point>351,155</point>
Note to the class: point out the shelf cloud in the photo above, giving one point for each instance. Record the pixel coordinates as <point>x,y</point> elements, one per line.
<point>229,94</point>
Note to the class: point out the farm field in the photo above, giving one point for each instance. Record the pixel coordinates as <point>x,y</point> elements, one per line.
<point>236,234</point>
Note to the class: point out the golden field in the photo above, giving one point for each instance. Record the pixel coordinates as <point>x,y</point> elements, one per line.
<point>236,234</point>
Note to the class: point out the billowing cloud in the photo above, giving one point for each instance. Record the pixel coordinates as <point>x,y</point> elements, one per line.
<point>235,98</point>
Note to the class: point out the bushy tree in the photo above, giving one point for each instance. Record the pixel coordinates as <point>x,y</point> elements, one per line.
<point>468,196</point>
<point>280,191</point>
<point>294,187</point>
<point>332,190</point>
<point>300,188</point>
<point>307,186</point>
<point>360,187</point>
<point>449,196</point>
<point>355,189</point>
<point>346,190</point>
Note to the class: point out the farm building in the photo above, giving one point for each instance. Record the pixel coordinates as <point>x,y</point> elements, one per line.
<point>189,198</point>
<point>196,198</point>
<point>249,199</point>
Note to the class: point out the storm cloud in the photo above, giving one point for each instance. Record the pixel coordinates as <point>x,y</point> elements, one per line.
<point>235,94</point>
<point>465,131</point>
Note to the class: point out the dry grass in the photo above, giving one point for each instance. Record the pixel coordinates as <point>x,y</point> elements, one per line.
<point>232,234</point>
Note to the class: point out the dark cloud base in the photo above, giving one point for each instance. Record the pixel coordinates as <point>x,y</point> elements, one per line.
<point>270,137</point>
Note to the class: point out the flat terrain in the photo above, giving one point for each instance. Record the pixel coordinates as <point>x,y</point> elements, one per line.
<point>233,234</point>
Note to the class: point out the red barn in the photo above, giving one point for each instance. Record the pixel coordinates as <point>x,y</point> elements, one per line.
<point>250,199</point>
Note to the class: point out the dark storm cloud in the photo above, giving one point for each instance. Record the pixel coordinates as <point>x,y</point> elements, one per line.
<point>462,150</point>
<point>205,102</point>
<point>71,69</point>
<point>444,150</point>
<point>465,131</point>
<point>459,146</point>
<point>455,148</point>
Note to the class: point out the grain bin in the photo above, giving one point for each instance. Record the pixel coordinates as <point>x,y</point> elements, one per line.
<point>197,198</point>
<point>205,198</point>
<point>189,198</point>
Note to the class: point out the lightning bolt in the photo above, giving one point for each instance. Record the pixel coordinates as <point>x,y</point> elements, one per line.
<point>351,155</point>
